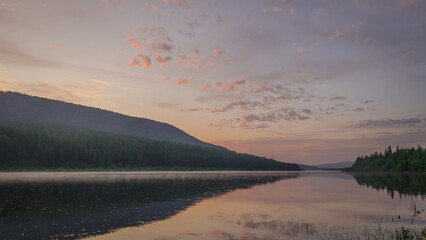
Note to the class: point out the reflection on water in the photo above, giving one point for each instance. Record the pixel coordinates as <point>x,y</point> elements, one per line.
<point>193,205</point>
<point>73,205</point>
<point>401,183</point>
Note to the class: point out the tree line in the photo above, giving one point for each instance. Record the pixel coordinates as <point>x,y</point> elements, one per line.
<point>36,146</point>
<point>401,160</point>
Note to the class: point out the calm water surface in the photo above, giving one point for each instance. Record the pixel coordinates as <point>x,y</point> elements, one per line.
<point>209,205</point>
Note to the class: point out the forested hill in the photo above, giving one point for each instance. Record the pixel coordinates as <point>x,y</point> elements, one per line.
<point>35,147</point>
<point>402,160</point>
<point>24,108</point>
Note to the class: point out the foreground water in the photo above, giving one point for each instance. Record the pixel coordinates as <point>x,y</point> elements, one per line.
<point>209,205</point>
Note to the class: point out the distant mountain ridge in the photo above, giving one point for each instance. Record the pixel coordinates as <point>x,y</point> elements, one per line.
<point>24,108</point>
<point>327,166</point>
<point>338,165</point>
<point>308,167</point>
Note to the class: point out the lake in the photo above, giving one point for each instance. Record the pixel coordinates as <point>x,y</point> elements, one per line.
<point>209,205</point>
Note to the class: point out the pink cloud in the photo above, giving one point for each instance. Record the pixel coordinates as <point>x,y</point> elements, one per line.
<point>293,10</point>
<point>153,7</point>
<point>352,27</point>
<point>300,49</point>
<point>182,58</point>
<point>335,35</point>
<point>162,46</point>
<point>134,62</point>
<point>407,3</point>
<point>229,87</point>
<point>106,5</point>
<point>162,60</point>
<point>198,66</point>
<point>278,10</point>
<point>145,60</point>
<point>54,45</point>
<point>195,58</point>
<point>119,49</point>
<point>178,2</point>
<point>217,52</point>
<point>159,46</point>
<point>107,2</point>
<point>267,12</point>
<point>165,79</point>
<point>191,110</point>
<point>133,42</point>
<point>160,29</point>
<point>206,86</point>
<point>181,81</point>
<point>239,81</point>
<point>221,88</point>
<point>150,45</point>
<point>346,29</point>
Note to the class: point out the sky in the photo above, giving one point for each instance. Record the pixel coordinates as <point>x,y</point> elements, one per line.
<point>299,81</point>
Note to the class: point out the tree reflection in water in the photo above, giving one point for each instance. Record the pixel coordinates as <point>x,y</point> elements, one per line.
<point>65,206</point>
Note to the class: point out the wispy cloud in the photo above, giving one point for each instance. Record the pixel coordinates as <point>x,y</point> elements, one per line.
<point>182,58</point>
<point>158,46</point>
<point>133,42</point>
<point>108,3</point>
<point>278,10</point>
<point>134,62</point>
<point>217,52</point>
<point>338,98</point>
<point>239,81</point>
<point>346,29</point>
<point>44,88</point>
<point>298,48</point>
<point>388,123</point>
<point>407,3</point>
<point>367,102</point>
<point>10,53</point>
<point>335,35</point>
<point>145,60</point>
<point>351,27</point>
<point>359,109</point>
<point>162,60</point>
<point>149,5</point>
<point>55,45</point>
<point>283,114</point>
<point>206,86</point>
<point>166,104</point>
<point>100,82</point>
<point>267,12</point>
<point>178,2</point>
<point>243,105</point>
<point>181,81</point>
